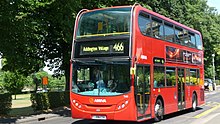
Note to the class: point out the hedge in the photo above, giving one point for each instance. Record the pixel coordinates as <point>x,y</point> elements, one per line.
<point>5,103</point>
<point>49,100</point>
<point>40,101</point>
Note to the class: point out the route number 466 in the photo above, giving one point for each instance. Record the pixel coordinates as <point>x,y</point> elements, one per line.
<point>118,47</point>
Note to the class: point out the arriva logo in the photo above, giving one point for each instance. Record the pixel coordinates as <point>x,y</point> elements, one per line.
<point>100,100</point>
<point>91,100</point>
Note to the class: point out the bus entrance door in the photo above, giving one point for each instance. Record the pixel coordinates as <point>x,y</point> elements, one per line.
<point>181,89</point>
<point>142,91</point>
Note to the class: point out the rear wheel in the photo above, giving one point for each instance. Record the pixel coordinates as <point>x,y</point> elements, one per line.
<point>213,86</point>
<point>194,102</point>
<point>159,110</point>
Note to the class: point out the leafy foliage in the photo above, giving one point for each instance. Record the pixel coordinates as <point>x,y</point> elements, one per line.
<point>17,36</point>
<point>14,82</point>
<point>44,101</point>
<point>40,101</point>
<point>1,82</point>
<point>5,104</point>
<point>54,83</point>
<point>34,31</point>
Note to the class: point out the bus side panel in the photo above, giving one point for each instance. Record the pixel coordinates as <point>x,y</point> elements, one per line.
<point>188,96</point>
<point>169,96</point>
<point>201,97</point>
<point>170,99</point>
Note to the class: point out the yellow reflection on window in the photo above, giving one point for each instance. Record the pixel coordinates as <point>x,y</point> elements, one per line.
<point>100,26</point>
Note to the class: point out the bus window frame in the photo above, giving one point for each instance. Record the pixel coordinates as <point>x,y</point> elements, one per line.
<point>144,14</point>
<point>198,36</point>
<point>179,29</point>
<point>171,26</point>
<point>166,76</point>
<point>197,72</point>
<point>191,34</point>
<point>158,21</point>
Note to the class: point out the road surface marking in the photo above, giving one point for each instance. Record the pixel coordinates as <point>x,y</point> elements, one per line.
<point>205,120</point>
<point>207,111</point>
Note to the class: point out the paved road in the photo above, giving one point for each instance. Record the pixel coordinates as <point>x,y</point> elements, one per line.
<point>206,114</point>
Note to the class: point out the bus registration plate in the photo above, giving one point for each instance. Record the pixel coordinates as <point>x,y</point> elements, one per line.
<point>99,117</point>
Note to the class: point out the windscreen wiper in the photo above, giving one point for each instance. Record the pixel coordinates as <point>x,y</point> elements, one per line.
<point>102,62</point>
<point>81,62</point>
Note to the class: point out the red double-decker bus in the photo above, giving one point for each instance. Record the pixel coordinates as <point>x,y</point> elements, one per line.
<point>129,63</point>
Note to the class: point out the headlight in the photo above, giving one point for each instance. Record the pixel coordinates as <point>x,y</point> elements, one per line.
<point>77,104</point>
<point>122,105</point>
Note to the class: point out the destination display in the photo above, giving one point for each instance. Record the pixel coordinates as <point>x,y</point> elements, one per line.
<point>102,48</point>
<point>179,55</point>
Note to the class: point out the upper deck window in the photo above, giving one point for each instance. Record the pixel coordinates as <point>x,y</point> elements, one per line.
<point>114,21</point>
<point>198,42</point>
<point>192,40</point>
<point>157,28</point>
<point>144,23</point>
<point>169,32</point>
<point>179,35</point>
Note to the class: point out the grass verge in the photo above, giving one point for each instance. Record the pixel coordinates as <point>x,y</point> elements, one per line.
<point>21,106</point>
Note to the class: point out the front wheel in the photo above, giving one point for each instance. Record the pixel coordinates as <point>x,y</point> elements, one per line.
<point>213,86</point>
<point>158,110</point>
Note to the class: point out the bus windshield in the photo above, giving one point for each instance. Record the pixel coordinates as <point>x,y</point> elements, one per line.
<point>107,22</point>
<point>101,79</point>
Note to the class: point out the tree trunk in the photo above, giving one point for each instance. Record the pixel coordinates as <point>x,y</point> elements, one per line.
<point>66,63</point>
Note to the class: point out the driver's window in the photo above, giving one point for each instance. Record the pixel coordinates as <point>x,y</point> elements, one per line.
<point>83,74</point>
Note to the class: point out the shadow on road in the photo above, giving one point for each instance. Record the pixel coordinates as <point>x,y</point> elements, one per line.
<point>63,111</point>
<point>4,120</point>
<point>175,114</point>
<point>166,117</point>
<point>110,122</point>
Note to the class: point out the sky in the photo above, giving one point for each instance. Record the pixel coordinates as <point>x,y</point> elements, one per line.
<point>214,3</point>
<point>47,70</point>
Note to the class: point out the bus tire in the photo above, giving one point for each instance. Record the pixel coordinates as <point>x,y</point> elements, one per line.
<point>213,85</point>
<point>158,110</point>
<point>194,102</point>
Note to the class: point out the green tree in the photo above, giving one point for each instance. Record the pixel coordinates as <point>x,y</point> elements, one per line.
<point>1,82</point>
<point>19,44</point>
<point>14,82</point>
<point>56,83</point>
<point>35,31</point>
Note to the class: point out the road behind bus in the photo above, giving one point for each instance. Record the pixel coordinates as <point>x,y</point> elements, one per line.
<point>207,114</point>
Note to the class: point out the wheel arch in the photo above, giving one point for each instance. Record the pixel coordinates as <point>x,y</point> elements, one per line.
<point>161,98</point>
